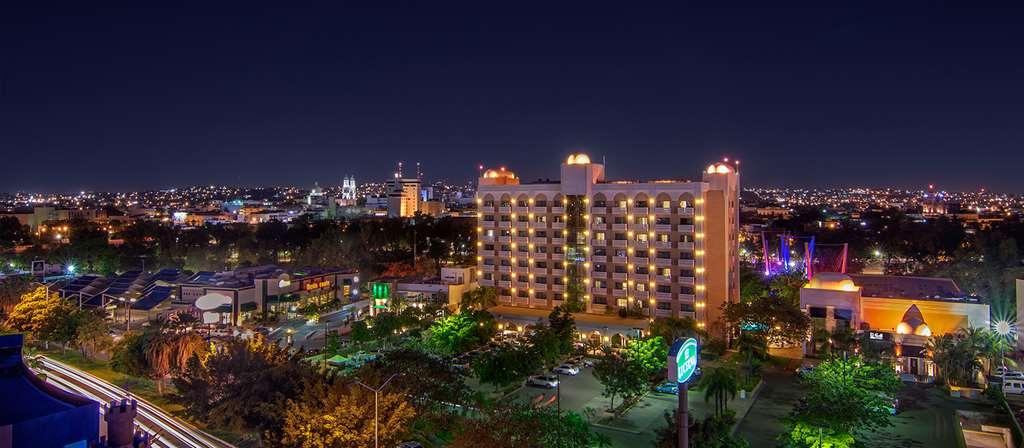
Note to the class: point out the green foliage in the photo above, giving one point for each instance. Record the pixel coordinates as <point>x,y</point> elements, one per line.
<point>672,328</point>
<point>480,298</point>
<point>649,354</point>
<point>128,355</point>
<point>454,334</point>
<point>959,355</point>
<point>515,426</point>
<point>804,435</point>
<point>778,319</point>
<point>712,432</point>
<point>360,332</point>
<point>720,384</point>
<point>844,397</point>
<point>504,366</point>
<point>429,382</point>
<point>619,376</point>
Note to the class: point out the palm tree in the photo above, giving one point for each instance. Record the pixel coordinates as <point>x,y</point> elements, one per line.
<point>481,298</point>
<point>822,340</point>
<point>722,385</point>
<point>752,346</point>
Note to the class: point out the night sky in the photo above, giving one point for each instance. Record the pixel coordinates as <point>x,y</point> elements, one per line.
<point>138,97</point>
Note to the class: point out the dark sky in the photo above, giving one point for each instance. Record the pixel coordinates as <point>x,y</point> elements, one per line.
<point>124,97</point>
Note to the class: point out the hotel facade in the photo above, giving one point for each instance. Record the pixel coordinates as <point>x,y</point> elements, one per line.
<point>645,249</point>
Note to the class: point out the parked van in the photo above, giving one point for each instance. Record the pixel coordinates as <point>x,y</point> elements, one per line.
<point>1013,387</point>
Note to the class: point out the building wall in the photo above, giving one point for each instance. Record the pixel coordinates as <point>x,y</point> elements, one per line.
<point>941,316</point>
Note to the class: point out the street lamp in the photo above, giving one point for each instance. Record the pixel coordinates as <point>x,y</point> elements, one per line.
<point>376,404</point>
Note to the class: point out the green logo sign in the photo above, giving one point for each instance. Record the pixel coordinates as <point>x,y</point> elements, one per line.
<point>683,359</point>
<point>380,292</point>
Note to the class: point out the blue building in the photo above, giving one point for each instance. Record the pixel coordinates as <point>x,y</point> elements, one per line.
<point>36,414</point>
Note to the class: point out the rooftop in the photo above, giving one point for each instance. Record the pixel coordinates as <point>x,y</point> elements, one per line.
<point>926,288</point>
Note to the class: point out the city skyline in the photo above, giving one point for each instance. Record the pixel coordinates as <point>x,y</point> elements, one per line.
<point>130,98</point>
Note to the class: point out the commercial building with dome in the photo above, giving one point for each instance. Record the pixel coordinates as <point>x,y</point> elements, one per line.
<point>636,249</point>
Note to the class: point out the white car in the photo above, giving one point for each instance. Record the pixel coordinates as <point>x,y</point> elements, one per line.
<point>546,381</point>
<point>1008,373</point>
<point>567,369</point>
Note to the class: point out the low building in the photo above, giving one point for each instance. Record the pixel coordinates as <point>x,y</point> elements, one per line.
<point>903,311</point>
<point>447,289</point>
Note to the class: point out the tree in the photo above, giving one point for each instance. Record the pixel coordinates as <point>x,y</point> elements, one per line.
<point>777,319</point>
<point>45,316</point>
<point>480,298</point>
<point>342,415</point>
<point>619,376</point>
<point>453,334</point>
<point>429,382</point>
<point>504,366</point>
<point>672,328</point>
<point>844,397</point>
<point>11,289</point>
<point>547,346</point>
<point>517,425</point>
<point>168,353</point>
<point>649,354</point>
<point>721,385</point>
<point>753,348</point>
<point>93,331</point>
<point>564,326</point>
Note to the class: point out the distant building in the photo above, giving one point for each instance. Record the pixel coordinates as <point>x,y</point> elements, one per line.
<point>404,197</point>
<point>348,192</point>
<point>444,290</point>
<point>896,310</point>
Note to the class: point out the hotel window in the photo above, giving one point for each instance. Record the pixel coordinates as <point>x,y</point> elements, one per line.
<point>666,204</point>
<point>641,237</point>
<point>506,218</point>
<point>505,277</point>
<point>663,254</point>
<point>663,237</point>
<point>620,236</point>
<point>521,293</point>
<point>664,221</point>
<point>600,267</point>
<point>557,218</point>
<point>599,236</point>
<point>489,203</point>
<point>686,273</point>
<point>686,290</point>
<point>488,276</point>
<point>522,218</point>
<point>523,249</point>
<point>621,303</point>
<point>640,220</point>
<point>686,238</point>
<point>522,233</point>
<point>542,203</point>
<point>489,233</point>
<point>686,221</point>
<point>664,289</point>
<point>641,286</point>
<point>540,295</point>
<point>665,272</point>
<point>600,284</point>
<point>506,202</point>
<point>684,204</point>
<point>600,252</point>
<point>558,250</point>
<point>642,270</point>
<point>640,254</point>
<point>541,265</point>
<point>621,204</point>
<point>505,232</point>
<point>619,220</point>
<point>665,306</point>
<point>505,262</point>
<point>686,255</point>
<point>521,203</point>
<point>540,218</point>
<point>504,248</point>
<point>522,278</point>
<point>488,247</point>
<point>686,307</point>
<point>503,292</point>
<point>488,262</point>
<point>600,204</point>
<point>620,252</point>
<point>641,204</point>
<point>619,286</point>
<point>557,281</point>
<point>522,263</point>
<point>600,220</point>
<point>488,218</point>
<point>600,300</point>
<point>620,269</point>
<point>541,249</point>
<point>541,280</point>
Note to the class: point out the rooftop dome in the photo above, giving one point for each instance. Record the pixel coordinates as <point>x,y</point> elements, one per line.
<point>719,168</point>
<point>500,173</point>
<point>577,159</point>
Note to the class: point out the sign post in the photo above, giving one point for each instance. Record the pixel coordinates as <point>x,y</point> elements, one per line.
<point>682,363</point>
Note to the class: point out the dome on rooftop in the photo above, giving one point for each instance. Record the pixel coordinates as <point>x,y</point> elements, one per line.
<point>577,159</point>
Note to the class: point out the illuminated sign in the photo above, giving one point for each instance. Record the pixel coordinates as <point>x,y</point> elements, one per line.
<point>380,292</point>
<point>875,336</point>
<point>682,359</point>
<point>316,283</point>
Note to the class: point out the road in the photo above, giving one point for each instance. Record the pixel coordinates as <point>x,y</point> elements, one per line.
<point>172,433</point>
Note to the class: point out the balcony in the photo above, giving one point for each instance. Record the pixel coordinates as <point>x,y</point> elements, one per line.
<point>663,227</point>
<point>487,238</point>
<point>522,301</point>
<point>504,239</point>
<point>521,270</point>
<point>484,282</point>
<point>521,210</point>
<point>640,261</point>
<point>663,244</point>
<point>558,272</point>
<point>639,210</point>
<point>599,210</point>
<point>520,240</point>
<point>505,298</point>
<point>557,257</point>
<point>504,254</point>
<point>686,263</point>
<point>558,288</point>
<point>504,268</point>
<point>558,210</point>
<point>663,262</point>
<point>505,224</point>
<point>640,244</point>
<point>538,302</point>
<point>662,211</point>
<point>601,226</point>
<point>640,295</point>
<point>619,275</point>
<point>618,293</point>
<point>686,280</point>
<point>664,279</point>
<point>663,295</point>
<point>521,285</point>
<point>505,209</point>
<point>686,212</point>
<point>504,283</point>
<point>620,227</point>
<point>598,308</point>
<point>618,210</point>
<point>662,313</point>
<point>687,297</point>
<point>558,225</point>
<point>600,243</point>
<point>618,243</point>
<point>620,260</point>
<point>599,258</point>
<point>685,228</point>
<point>558,241</point>
<point>487,224</point>
<point>684,245</point>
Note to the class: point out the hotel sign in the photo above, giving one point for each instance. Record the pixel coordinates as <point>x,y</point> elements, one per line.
<point>313,284</point>
<point>682,359</point>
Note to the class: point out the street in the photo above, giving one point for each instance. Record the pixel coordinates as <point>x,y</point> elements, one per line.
<point>172,433</point>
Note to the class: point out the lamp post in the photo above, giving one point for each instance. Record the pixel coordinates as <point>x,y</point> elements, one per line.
<point>376,404</point>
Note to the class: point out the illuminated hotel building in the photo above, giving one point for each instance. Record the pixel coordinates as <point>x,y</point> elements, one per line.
<point>657,249</point>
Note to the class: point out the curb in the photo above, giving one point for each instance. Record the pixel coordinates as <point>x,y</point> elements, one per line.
<point>754,394</point>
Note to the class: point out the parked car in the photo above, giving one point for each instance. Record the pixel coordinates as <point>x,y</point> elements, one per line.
<point>545,381</point>
<point>1013,387</point>
<point>1008,373</point>
<point>804,370</point>
<point>567,369</point>
<point>668,387</point>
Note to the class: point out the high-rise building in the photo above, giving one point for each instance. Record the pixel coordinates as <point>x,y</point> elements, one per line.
<point>403,194</point>
<point>651,249</point>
